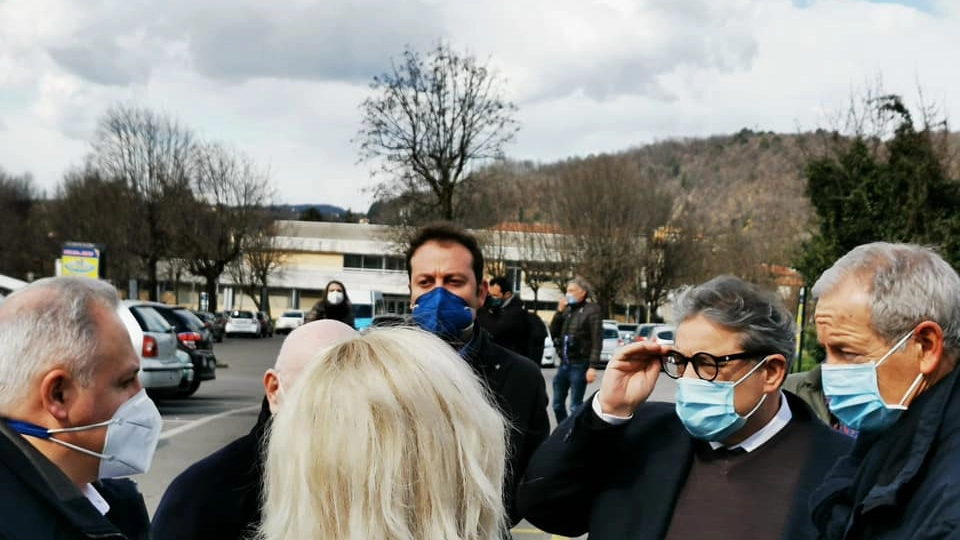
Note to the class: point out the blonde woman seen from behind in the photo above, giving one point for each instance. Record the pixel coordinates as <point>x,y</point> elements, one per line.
<point>387,436</point>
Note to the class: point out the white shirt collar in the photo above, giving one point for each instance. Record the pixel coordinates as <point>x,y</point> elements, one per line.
<point>764,434</point>
<point>96,499</point>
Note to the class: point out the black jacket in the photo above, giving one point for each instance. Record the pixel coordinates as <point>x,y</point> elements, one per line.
<point>621,482</point>
<point>520,391</point>
<point>536,337</point>
<point>39,502</point>
<point>510,327</point>
<point>581,326</point>
<point>904,483</point>
<point>219,496</point>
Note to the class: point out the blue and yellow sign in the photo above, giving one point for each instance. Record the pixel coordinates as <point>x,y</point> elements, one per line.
<point>81,260</point>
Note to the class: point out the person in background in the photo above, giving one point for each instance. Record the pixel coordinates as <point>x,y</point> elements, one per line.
<point>577,331</point>
<point>808,386</point>
<point>734,458</point>
<point>508,324</point>
<point>388,435</point>
<point>335,305</point>
<point>888,316</point>
<point>73,416</point>
<point>218,498</point>
<point>445,268</point>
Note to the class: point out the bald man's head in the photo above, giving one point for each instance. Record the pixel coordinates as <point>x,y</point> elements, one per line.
<point>301,346</point>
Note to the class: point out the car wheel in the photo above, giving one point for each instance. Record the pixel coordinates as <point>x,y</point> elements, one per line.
<point>189,391</point>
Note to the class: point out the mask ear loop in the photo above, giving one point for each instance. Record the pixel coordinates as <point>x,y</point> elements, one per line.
<point>912,389</point>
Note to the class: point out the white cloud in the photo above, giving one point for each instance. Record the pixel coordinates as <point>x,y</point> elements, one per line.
<point>283,80</point>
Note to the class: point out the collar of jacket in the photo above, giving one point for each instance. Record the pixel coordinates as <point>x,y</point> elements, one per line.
<point>49,483</point>
<point>907,444</point>
<point>474,352</point>
<point>259,431</point>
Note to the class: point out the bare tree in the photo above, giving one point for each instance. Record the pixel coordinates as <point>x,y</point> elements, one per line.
<point>152,154</point>
<point>24,247</point>
<point>432,117</point>
<point>262,260</point>
<point>229,194</point>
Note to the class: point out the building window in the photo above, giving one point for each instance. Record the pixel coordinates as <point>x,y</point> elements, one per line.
<point>373,262</point>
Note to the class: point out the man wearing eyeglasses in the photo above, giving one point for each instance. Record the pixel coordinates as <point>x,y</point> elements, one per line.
<point>888,316</point>
<point>734,458</point>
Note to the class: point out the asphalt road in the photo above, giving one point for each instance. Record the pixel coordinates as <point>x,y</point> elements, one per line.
<point>227,408</point>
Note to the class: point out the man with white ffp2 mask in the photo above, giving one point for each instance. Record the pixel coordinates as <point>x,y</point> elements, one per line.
<point>73,413</point>
<point>733,458</point>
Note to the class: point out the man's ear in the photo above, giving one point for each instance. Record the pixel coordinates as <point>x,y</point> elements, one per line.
<point>928,336</point>
<point>484,290</point>
<point>271,386</point>
<point>774,372</point>
<point>58,391</point>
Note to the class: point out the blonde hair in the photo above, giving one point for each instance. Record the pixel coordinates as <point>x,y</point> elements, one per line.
<point>388,435</point>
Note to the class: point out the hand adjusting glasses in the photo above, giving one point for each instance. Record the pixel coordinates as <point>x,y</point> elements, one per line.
<point>706,365</point>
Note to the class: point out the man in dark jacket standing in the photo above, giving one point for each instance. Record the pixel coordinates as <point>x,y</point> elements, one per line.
<point>72,415</point>
<point>508,325</point>
<point>734,458</point>
<point>218,498</point>
<point>577,330</point>
<point>888,316</point>
<point>445,267</point>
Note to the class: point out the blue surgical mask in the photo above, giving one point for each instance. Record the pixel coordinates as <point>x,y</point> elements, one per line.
<point>571,300</point>
<point>854,396</point>
<point>706,408</point>
<point>443,313</point>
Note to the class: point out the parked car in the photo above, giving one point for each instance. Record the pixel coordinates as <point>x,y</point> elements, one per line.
<point>663,334</point>
<point>611,342</point>
<point>266,324</point>
<point>242,322</point>
<point>627,331</point>
<point>290,320</point>
<point>156,343</point>
<point>195,339</point>
<point>643,330</point>
<point>216,322</point>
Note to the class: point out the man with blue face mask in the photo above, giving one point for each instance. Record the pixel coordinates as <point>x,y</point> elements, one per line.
<point>733,458</point>
<point>73,415</point>
<point>888,316</point>
<point>445,267</point>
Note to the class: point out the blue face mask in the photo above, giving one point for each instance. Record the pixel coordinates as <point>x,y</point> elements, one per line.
<point>706,408</point>
<point>571,300</point>
<point>443,313</point>
<point>854,396</point>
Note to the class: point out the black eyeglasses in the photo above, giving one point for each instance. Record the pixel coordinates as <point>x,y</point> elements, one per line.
<point>705,365</point>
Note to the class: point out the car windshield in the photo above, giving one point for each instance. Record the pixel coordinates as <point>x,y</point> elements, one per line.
<point>241,315</point>
<point>293,314</point>
<point>192,321</point>
<point>610,333</point>
<point>149,319</point>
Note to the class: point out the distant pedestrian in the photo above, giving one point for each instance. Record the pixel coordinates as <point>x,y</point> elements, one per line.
<point>388,435</point>
<point>218,498</point>
<point>508,325</point>
<point>335,305</point>
<point>577,332</point>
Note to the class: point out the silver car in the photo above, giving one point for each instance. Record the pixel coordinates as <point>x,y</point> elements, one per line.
<point>156,343</point>
<point>611,342</point>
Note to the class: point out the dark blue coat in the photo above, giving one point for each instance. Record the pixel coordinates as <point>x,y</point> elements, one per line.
<point>904,483</point>
<point>39,502</point>
<point>219,496</point>
<point>621,482</point>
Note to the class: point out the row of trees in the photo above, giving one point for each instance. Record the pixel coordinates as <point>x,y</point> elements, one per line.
<point>163,202</point>
<point>636,226</point>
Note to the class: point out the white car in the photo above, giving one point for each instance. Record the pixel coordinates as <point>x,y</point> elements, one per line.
<point>241,321</point>
<point>290,321</point>
<point>156,343</point>
<point>611,342</point>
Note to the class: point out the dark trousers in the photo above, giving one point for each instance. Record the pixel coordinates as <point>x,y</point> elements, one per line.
<point>569,378</point>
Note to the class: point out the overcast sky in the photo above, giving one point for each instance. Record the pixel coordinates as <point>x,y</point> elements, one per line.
<point>283,79</point>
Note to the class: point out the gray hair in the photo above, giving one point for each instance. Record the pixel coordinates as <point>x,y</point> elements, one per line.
<point>46,324</point>
<point>908,284</point>
<point>583,284</point>
<point>763,322</point>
